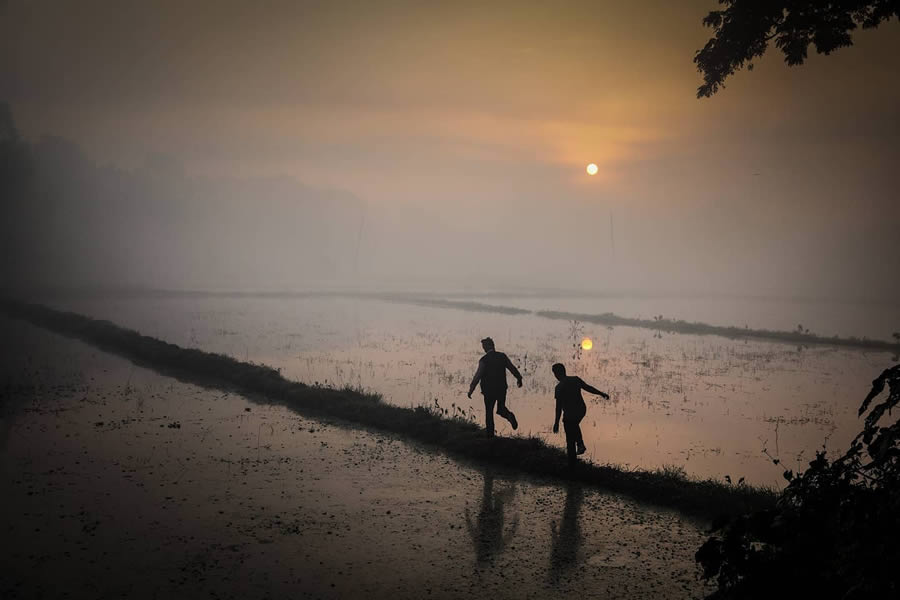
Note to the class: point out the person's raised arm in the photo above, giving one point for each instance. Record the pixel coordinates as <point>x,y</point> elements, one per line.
<point>592,389</point>
<point>512,369</point>
<point>477,378</point>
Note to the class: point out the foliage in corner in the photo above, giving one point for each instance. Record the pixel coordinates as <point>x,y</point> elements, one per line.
<point>834,532</point>
<point>744,28</point>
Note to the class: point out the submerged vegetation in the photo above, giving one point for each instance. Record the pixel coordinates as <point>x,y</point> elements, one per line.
<point>833,532</point>
<point>457,435</point>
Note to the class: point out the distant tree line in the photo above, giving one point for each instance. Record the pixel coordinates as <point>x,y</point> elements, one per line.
<point>68,221</point>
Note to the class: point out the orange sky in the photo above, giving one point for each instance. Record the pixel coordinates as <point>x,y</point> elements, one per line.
<point>434,112</point>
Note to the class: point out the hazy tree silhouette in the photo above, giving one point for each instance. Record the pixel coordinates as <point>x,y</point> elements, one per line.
<point>16,187</point>
<point>744,28</point>
<point>66,219</point>
<point>8,131</point>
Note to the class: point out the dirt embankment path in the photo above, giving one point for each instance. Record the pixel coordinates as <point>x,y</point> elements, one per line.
<point>120,482</point>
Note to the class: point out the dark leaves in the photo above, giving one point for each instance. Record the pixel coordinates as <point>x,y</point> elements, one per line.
<point>878,386</point>
<point>710,557</point>
<point>834,529</point>
<point>745,27</point>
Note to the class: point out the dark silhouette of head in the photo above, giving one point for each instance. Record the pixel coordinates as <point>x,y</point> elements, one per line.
<point>559,370</point>
<point>488,344</point>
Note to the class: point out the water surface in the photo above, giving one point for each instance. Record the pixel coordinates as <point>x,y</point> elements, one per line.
<point>713,406</point>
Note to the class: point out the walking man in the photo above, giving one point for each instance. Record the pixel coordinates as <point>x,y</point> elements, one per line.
<point>570,405</point>
<point>491,374</point>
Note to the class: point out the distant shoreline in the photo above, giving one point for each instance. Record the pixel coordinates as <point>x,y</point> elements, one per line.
<point>694,328</point>
<point>802,338</point>
<point>450,293</point>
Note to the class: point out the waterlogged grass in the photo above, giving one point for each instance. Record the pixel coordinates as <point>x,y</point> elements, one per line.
<point>669,487</point>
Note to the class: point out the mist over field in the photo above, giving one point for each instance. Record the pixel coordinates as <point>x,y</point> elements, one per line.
<point>449,299</point>
<point>178,147</point>
<point>85,225</point>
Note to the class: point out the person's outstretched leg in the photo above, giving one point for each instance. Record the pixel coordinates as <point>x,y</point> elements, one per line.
<point>489,401</point>
<point>505,412</point>
<point>572,435</point>
<point>580,448</point>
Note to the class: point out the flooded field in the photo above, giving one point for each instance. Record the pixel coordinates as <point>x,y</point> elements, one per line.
<point>119,482</point>
<point>712,406</point>
<point>876,320</point>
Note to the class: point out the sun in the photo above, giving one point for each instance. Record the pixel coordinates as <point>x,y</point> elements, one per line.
<point>587,344</point>
<point>592,169</point>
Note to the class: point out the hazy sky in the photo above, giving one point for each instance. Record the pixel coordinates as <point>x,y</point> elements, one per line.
<point>465,129</point>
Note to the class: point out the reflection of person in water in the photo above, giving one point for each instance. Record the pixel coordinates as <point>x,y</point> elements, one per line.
<point>570,405</point>
<point>567,539</point>
<point>487,530</point>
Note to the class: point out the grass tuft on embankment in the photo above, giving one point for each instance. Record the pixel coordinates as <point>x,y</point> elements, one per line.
<point>670,488</point>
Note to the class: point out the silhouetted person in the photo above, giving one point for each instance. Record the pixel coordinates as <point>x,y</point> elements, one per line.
<point>566,540</point>
<point>491,374</point>
<point>487,530</point>
<point>571,406</point>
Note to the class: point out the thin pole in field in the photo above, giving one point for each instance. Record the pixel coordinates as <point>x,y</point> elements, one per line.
<point>612,239</point>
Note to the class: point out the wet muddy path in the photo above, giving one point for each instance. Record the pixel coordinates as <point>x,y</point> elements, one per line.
<point>120,482</point>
